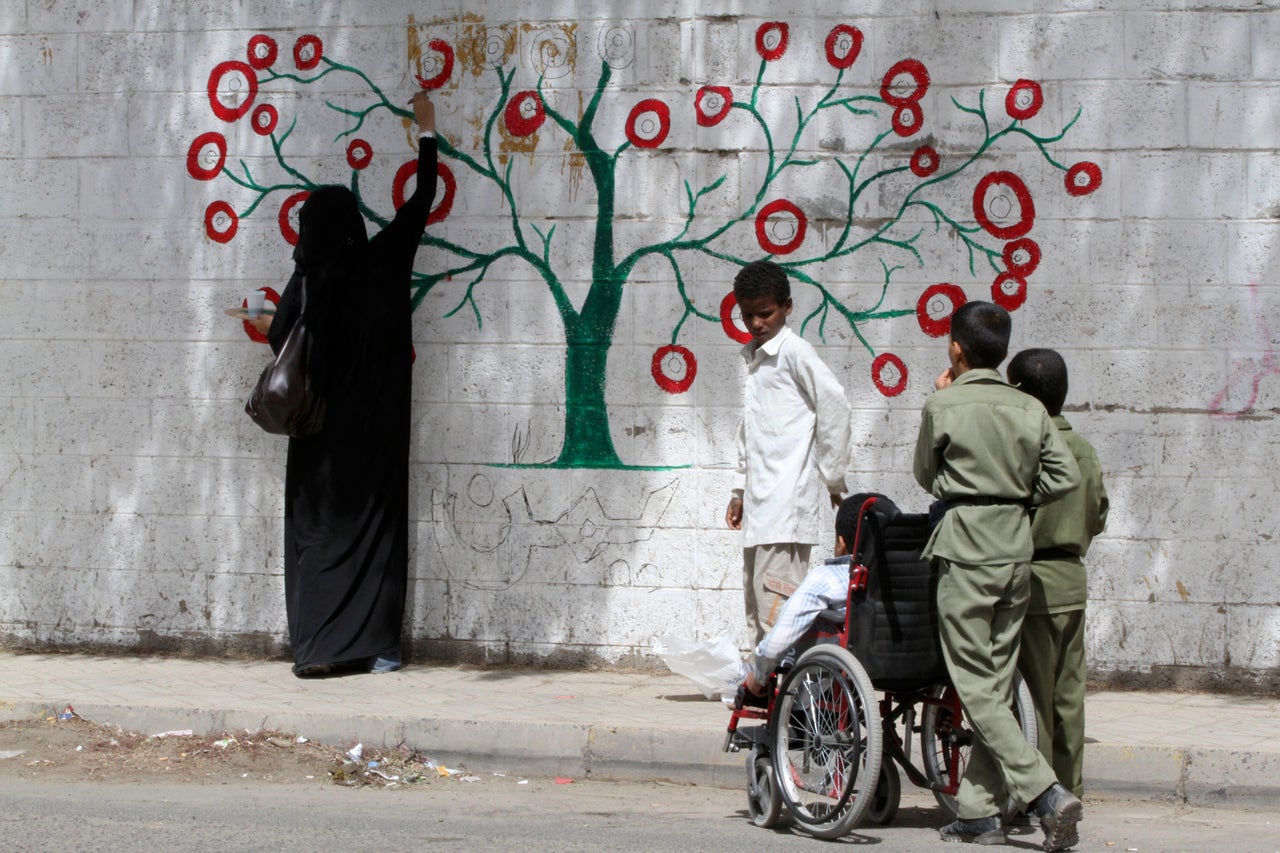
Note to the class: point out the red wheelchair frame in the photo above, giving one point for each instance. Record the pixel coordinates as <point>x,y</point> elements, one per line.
<point>819,748</point>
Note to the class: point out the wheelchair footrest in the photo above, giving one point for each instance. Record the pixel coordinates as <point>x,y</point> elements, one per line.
<point>746,737</point>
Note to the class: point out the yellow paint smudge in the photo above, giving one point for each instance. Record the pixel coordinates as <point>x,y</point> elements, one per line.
<point>515,144</point>
<point>576,161</point>
<point>480,48</point>
<point>550,54</point>
<point>413,46</point>
<point>1183,591</point>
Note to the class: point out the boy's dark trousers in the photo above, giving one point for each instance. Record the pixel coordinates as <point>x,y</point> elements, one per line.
<point>980,612</point>
<point>1053,666</point>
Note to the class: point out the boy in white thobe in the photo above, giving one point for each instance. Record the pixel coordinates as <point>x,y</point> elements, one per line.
<point>793,446</point>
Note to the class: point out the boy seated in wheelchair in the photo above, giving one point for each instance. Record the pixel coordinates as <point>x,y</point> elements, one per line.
<point>825,587</point>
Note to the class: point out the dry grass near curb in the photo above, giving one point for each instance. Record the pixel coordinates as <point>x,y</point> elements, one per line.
<point>66,747</point>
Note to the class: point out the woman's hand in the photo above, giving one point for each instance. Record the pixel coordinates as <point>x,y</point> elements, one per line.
<point>262,322</point>
<point>424,112</point>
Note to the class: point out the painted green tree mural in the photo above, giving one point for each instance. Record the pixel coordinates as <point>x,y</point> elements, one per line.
<point>526,115</point>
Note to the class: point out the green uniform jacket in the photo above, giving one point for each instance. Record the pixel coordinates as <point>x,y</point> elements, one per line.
<point>983,438</point>
<point>1069,524</point>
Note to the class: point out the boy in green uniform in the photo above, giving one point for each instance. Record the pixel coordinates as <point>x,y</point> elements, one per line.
<point>988,452</point>
<point>1052,656</point>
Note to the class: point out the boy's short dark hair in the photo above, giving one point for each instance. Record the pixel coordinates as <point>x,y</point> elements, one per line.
<point>1042,373</point>
<point>982,331</point>
<point>847,519</point>
<point>762,279</point>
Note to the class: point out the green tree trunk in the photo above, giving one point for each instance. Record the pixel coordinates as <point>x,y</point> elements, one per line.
<point>588,442</point>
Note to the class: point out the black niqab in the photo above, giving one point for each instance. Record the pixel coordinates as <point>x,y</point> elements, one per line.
<point>347,487</point>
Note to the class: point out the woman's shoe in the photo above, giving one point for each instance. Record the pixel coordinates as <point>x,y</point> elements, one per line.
<point>314,671</point>
<point>388,662</point>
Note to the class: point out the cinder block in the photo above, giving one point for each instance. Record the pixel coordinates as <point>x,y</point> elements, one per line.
<point>1170,254</point>
<point>1252,629</point>
<point>631,617</point>
<point>245,603</point>
<point>1170,44</point>
<point>1193,317</point>
<point>962,50</point>
<point>10,127</point>
<point>710,51</point>
<point>195,17</point>
<point>1136,635</point>
<point>89,427</point>
<point>128,189</point>
<point>42,63</point>
<point>77,123</point>
<point>129,61</point>
<point>1263,175</point>
<point>38,189</point>
<point>41,365</point>
<point>592,10</point>
<point>621,45</point>
<point>1131,379</point>
<point>1224,506</point>
<point>722,611</point>
<point>1264,28</point>
<point>199,428</point>
<point>1231,116</point>
<point>1184,186</point>
<point>667,560</point>
<point>1067,46</point>
<point>1119,569</point>
<point>1163,104</point>
<point>69,542</point>
<point>509,374</point>
<point>91,16</point>
<point>13,487</point>
<point>43,250</point>
<point>465,432</point>
<point>1251,260</point>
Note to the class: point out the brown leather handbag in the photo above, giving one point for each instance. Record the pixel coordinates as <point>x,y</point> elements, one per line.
<point>284,402</point>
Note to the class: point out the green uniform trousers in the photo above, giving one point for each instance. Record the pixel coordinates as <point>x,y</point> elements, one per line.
<point>1052,664</point>
<point>980,612</point>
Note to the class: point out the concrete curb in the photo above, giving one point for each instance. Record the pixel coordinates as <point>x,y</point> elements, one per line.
<point>1197,777</point>
<point>614,753</point>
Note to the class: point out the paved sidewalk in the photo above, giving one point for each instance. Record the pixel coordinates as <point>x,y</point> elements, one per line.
<point>1198,748</point>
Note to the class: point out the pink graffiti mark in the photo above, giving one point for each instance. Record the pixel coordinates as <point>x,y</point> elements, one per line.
<point>1252,370</point>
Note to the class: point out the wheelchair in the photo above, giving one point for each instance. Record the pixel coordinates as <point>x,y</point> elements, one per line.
<point>826,745</point>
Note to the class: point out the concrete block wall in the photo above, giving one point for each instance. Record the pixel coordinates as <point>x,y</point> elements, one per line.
<point>139,508</point>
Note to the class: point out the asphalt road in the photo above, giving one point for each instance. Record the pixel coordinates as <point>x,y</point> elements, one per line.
<point>503,814</point>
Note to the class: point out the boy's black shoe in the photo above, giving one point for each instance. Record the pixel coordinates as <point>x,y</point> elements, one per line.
<point>747,699</point>
<point>1059,811</point>
<point>983,830</point>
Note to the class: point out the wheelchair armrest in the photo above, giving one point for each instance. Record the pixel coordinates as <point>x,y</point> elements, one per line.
<point>835,617</point>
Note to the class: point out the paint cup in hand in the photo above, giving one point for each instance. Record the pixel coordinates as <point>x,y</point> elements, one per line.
<point>255,302</point>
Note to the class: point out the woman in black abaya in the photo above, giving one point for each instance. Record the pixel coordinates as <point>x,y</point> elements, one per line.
<point>346,510</point>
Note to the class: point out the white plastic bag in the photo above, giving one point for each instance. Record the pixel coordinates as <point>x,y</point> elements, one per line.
<point>714,665</point>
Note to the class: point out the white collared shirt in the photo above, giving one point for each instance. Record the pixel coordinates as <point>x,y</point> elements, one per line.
<point>793,442</point>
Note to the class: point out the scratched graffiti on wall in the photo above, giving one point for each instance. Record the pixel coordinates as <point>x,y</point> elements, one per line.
<point>474,535</point>
<point>923,186</point>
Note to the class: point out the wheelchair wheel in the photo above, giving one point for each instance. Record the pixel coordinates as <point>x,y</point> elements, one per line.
<point>827,741</point>
<point>946,736</point>
<point>764,803</point>
<point>884,805</point>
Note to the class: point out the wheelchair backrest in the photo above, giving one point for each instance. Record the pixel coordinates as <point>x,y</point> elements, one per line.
<point>893,624</point>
